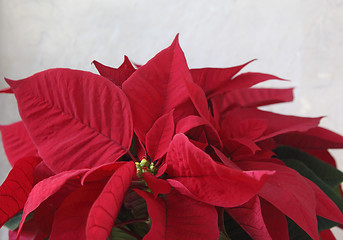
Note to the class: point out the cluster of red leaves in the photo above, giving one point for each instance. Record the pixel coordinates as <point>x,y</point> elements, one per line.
<point>73,154</point>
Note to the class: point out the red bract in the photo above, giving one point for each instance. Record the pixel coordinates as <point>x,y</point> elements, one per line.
<point>165,152</point>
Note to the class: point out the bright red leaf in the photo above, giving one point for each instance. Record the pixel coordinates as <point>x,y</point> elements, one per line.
<point>157,87</point>
<point>196,175</point>
<point>244,80</point>
<point>106,207</point>
<point>159,136</point>
<point>212,79</point>
<point>157,186</point>
<point>116,75</point>
<point>76,119</point>
<point>16,188</point>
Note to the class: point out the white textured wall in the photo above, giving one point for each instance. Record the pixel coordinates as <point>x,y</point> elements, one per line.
<point>300,40</point>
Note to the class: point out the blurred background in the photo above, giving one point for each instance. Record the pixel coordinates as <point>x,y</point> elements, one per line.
<point>299,40</point>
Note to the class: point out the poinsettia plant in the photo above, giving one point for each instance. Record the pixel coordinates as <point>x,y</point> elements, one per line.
<point>161,151</point>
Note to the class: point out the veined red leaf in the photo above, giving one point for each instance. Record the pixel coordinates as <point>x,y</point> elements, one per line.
<point>17,143</point>
<point>159,136</point>
<point>244,80</point>
<point>6,90</point>
<point>179,217</point>
<point>116,75</point>
<point>157,186</point>
<point>252,97</point>
<point>76,119</point>
<point>315,138</point>
<point>288,191</point>
<point>106,207</point>
<point>212,79</point>
<point>70,221</point>
<point>249,217</point>
<point>157,87</point>
<point>195,174</point>
<point>16,188</point>
<point>44,189</point>
<point>277,123</point>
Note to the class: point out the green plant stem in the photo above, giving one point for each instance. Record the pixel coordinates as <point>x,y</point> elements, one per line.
<point>130,233</point>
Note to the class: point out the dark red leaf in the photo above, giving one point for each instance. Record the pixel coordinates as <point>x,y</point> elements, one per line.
<point>179,217</point>
<point>274,220</point>
<point>16,188</point>
<point>116,75</point>
<point>76,119</point>
<point>327,235</point>
<point>17,143</point>
<point>46,188</point>
<point>315,138</point>
<point>106,207</point>
<point>196,175</point>
<point>249,217</point>
<point>71,217</point>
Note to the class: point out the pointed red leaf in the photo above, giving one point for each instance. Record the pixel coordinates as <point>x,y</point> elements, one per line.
<point>315,138</point>
<point>274,220</point>
<point>249,217</point>
<point>70,221</point>
<point>288,191</point>
<point>325,207</point>
<point>16,188</point>
<point>244,80</point>
<point>17,143</point>
<point>44,189</point>
<point>212,79</point>
<point>179,217</point>
<point>116,75</point>
<point>327,235</point>
<point>6,90</point>
<point>277,123</point>
<point>157,186</point>
<point>252,97</point>
<point>76,119</point>
<point>106,207</point>
<point>196,175</point>
<point>101,173</point>
<point>157,87</point>
<point>159,136</point>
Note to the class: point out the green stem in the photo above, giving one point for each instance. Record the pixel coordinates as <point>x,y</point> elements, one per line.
<point>130,233</point>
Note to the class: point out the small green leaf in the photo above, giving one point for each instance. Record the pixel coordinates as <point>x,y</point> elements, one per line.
<point>329,174</point>
<point>14,222</point>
